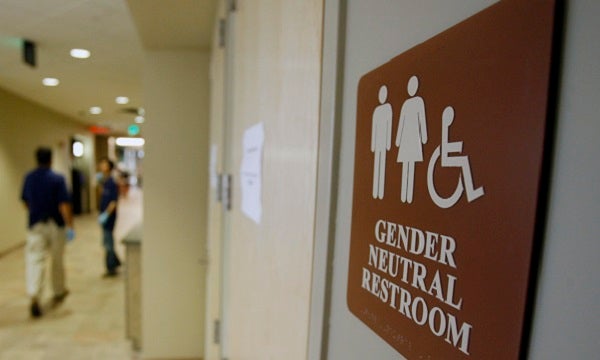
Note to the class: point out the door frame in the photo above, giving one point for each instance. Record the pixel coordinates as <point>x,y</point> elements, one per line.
<point>332,81</point>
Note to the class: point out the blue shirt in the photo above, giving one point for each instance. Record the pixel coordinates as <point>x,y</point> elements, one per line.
<point>43,191</point>
<point>110,192</point>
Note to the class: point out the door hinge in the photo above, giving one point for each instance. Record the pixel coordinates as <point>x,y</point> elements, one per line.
<point>222,32</point>
<point>226,185</point>
<point>232,5</point>
<point>217,332</point>
<point>219,188</point>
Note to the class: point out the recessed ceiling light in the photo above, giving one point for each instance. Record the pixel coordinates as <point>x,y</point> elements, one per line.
<point>139,119</point>
<point>95,110</point>
<point>80,53</point>
<point>50,81</point>
<point>130,141</point>
<point>122,100</point>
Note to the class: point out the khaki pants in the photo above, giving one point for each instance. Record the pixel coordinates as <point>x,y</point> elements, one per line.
<point>43,239</point>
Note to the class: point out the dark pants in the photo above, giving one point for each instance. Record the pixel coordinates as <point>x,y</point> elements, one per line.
<point>112,261</point>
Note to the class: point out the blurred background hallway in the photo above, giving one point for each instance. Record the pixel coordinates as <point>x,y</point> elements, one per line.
<point>90,323</point>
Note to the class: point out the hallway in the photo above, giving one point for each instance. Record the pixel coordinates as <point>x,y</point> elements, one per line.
<point>90,324</point>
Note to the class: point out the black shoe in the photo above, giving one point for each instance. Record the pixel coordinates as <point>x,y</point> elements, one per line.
<point>35,309</point>
<point>110,274</point>
<point>57,299</point>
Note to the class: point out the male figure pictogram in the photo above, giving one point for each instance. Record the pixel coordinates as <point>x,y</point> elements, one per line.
<point>381,141</point>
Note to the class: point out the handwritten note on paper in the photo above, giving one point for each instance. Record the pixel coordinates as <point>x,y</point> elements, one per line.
<point>251,172</point>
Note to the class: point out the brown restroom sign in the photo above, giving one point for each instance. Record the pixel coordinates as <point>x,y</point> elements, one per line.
<point>448,165</point>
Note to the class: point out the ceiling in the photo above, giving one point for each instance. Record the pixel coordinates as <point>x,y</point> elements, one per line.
<point>116,32</point>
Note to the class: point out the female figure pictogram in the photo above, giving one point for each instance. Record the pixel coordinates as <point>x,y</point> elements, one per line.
<point>411,135</point>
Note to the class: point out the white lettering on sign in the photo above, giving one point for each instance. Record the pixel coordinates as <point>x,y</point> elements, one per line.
<point>416,309</point>
<point>430,245</point>
<point>414,274</point>
<point>390,274</point>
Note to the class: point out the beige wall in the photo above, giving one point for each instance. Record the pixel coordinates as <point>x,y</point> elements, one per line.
<point>276,72</point>
<point>175,196</point>
<point>23,127</point>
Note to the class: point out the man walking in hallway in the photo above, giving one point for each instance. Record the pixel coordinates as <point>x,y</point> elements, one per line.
<point>46,198</point>
<point>108,216</point>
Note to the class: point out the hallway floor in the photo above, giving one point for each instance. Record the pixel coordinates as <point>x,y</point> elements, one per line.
<point>90,323</point>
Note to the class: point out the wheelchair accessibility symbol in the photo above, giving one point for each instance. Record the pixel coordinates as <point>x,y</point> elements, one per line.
<point>410,138</point>
<point>443,151</point>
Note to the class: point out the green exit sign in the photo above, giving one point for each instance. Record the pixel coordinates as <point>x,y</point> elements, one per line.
<point>133,130</point>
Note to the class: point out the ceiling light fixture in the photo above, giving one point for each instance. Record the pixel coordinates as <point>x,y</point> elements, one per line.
<point>130,141</point>
<point>78,149</point>
<point>95,110</point>
<point>122,100</point>
<point>50,82</point>
<point>80,53</point>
